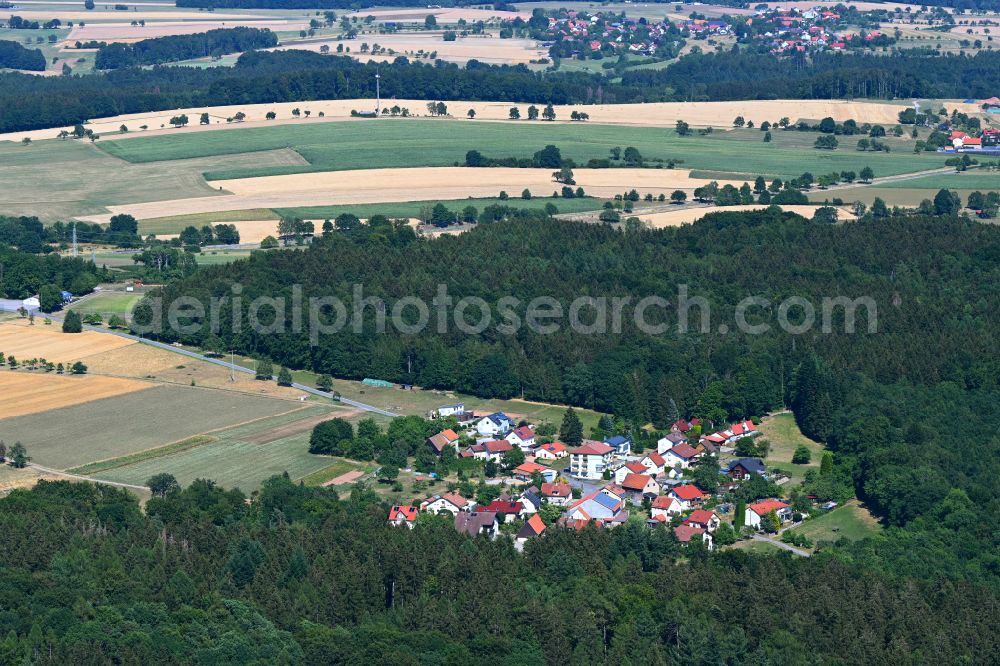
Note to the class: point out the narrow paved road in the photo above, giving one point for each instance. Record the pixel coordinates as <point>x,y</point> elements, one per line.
<point>781,544</point>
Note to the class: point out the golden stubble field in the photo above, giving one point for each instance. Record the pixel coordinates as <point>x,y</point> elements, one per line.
<point>26,392</point>
<point>365,186</point>
<point>655,114</point>
<point>23,341</point>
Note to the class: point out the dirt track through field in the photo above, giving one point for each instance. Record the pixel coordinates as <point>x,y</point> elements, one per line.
<point>296,427</point>
<point>27,392</point>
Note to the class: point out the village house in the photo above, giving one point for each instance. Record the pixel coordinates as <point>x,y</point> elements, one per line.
<point>597,507</point>
<point>523,437</point>
<point>477,522</point>
<point>448,503</point>
<point>664,507</point>
<point>688,533</point>
<point>558,494</point>
<point>756,512</point>
<point>743,468</point>
<point>680,456</point>
<point>621,444</point>
<point>525,471</point>
<point>403,515</point>
<point>551,451</point>
<point>531,529</point>
<point>507,511</point>
<point>664,444</point>
<point>654,463</point>
<point>495,425</point>
<point>491,450</point>
<point>451,410</point>
<point>590,460</point>
<point>531,501</point>
<point>443,439</point>
<point>626,469</point>
<point>706,520</point>
<point>639,485</point>
<point>688,496</point>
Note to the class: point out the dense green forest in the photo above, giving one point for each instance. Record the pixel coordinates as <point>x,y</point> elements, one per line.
<point>32,102</point>
<point>15,56</point>
<point>183,47</point>
<point>300,576</point>
<point>743,74</point>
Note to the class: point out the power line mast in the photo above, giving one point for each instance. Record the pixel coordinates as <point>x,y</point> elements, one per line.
<point>75,251</point>
<point>378,94</point>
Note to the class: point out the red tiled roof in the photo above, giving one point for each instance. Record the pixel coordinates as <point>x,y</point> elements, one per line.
<point>496,506</point>
<point>657,459</point>
<point>685,532</point>
<point>700,517</point>
<point>688,492</point>
<point>556,490</point>
<point>663,502</point>
<point>767,506</point>
<point>530,468</point>
<point>408,512</point>
<point>524,432</point>
<point>536,524</point>
<point>497,446</point>
<point>592,448</point>
<point>637,468</point>
<point>684,451</point>
<point>554,447</point>
<point>636,481</point>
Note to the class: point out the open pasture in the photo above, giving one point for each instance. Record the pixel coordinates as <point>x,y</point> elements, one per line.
<point>34,392</point>
<point>484,48</point>
<point>106,303</point>
<point>132,422</point>
<point>22,341</point>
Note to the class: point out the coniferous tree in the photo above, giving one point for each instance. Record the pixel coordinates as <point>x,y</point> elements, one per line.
<point>571,431</point>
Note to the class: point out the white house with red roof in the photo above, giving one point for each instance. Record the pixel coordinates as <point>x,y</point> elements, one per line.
<point>443,439</point>
<point>491,450</point>
<point>654,463</point>
<point>558,494</point>
<point>756,512</point>
<point>551,451</point>
<point>403,515</point>
<point>589,460</point>
<point>448,503</point>
<point>522,437</point>
<point>664,507</point>
<point>688,496</point>
<point>525,471</point>
<point>634,467</point>
<point>687,533</point>
<point>706,520</point>
<point>664,444</point>
<point>680,456</point>
<point>640,484</point>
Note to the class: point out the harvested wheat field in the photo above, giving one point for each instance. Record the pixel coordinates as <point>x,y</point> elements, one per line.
<point>365,186</point>
<point>251,231</point>
<point>657,114</point>
<point>33,392</point>
<point>442,14</point>
<point>675,218</point>
<point>485,48</point>
<point>22,341</point>
<point>159,365</point>
<point>125,32</point>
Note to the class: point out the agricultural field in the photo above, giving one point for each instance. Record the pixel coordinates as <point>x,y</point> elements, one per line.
<point>243,456</point>
<point>31,392</point>
<point>424,142</point>
<point>24,341</point>
<point>67,437</point>
<point>486,48</point>
<point>687,214</point>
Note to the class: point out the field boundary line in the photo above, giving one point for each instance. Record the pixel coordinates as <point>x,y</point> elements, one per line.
<point>143,455</point>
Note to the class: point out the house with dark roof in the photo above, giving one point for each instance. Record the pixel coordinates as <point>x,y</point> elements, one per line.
<point>477,522</point>
<point>744,468</point>
<point>621,444</point>
<point>664,444</point>
<point>497,424</point>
